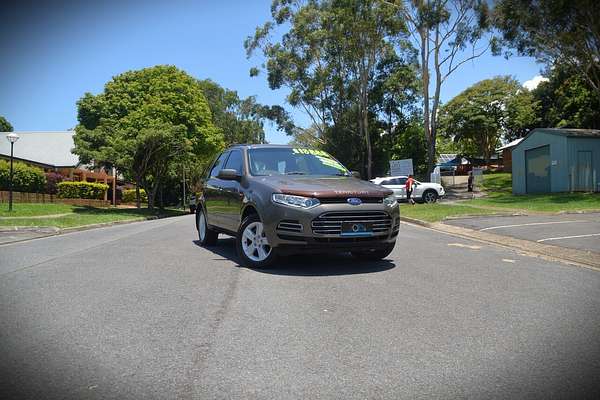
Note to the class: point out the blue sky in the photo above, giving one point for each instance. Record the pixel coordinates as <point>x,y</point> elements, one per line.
<point>54,51</point>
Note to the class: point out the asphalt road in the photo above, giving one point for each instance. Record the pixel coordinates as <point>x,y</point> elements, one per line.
<point>577,231</point>
<point>140,311</point>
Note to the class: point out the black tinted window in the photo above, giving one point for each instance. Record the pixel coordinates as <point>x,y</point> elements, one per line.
<point>387,182</point>
<point>400,181</point>
<point>235,161</point>
<point>218,165</point>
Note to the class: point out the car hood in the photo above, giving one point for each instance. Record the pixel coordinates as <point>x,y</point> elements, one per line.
<point>320,187</point>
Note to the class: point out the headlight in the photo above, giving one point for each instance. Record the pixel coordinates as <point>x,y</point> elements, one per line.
<point>295,201</point>
<point>390,201</point>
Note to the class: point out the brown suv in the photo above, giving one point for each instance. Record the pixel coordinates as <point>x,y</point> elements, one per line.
<point>279,200</point>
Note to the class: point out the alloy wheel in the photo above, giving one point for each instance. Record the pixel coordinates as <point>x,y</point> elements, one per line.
<point>201,226</point>
<point>254,242</point>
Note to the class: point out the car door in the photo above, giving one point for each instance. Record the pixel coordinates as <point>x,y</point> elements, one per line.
<point>401,191</point>
<point>417,190</point>
<point>232,193</point>
<point>389,184</point>
<point>214,196</point>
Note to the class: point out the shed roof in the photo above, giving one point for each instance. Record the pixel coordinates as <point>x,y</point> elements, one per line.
<point>568,132</point>
<point>49,148</point>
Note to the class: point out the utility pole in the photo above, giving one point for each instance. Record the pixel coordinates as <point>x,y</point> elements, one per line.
<point>12,138</point>
<point>114,194</point>
<point>183,201</point>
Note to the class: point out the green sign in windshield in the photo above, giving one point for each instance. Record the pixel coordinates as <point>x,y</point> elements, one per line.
<point>293,161</point>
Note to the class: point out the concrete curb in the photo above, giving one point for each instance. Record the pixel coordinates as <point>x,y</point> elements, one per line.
<point>581,258</point>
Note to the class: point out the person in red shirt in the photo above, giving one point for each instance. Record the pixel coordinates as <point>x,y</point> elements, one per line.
<point>409,188</point>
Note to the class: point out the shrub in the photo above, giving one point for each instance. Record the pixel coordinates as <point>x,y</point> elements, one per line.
<point>81,190</point>
<point>52,179</point>
<point>26,178</point>
<point>129,196</point>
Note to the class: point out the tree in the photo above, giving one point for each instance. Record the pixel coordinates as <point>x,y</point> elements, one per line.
<point>5,126</point>
<point>411,143</point>
<point>328,57</point>
<point>144,122</point>
<point>556,32</point>
<point>567,100</point>
<point>479,116</point>
<point>242,120</point>
<point>442,30</point>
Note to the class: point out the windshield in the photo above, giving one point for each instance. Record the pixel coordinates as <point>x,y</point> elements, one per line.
<point>291,161</point>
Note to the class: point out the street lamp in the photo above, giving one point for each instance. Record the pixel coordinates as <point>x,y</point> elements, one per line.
<point>12,138</point>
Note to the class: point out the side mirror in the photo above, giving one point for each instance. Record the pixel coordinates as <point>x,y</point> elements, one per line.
<point>355,174</point>
<point>228,175</point>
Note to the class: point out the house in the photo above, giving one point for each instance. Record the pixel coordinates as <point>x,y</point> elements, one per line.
<point>51,151</point>
<point>557,160</point>
<point>506,154</point>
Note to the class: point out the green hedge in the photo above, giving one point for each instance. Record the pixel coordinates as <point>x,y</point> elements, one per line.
<point>129,196</point>
<point>81,190</point>
<point>25,177</point>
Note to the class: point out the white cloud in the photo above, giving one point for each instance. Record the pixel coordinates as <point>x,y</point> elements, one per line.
<point>534,82</point>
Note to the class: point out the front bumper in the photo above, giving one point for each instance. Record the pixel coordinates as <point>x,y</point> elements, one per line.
<point>292,230</point>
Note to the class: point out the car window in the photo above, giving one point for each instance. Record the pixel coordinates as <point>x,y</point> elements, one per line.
<point>218,165</point>
<point>293,161</point>
<point>387,182</point>
<point>401,181</point>
<point>235,161</point>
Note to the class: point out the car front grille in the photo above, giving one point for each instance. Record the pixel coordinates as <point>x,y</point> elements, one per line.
<point>344,200</point>
<point>330,223</point>
<point>289,226</point>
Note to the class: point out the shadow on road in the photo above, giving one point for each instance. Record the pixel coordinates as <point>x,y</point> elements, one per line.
<point>306,265</point>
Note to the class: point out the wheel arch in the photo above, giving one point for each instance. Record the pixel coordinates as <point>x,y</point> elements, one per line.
<point>249,209</point>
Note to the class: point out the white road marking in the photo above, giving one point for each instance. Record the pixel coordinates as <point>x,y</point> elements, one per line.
<point>532,224</point>
<point>464,245</point>
<point>508,260</point>
<point>567,237</point>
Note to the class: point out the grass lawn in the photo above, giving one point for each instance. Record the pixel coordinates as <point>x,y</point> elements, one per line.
<point>75,215</point>
<point>499,189</point>
<point>438,211</point>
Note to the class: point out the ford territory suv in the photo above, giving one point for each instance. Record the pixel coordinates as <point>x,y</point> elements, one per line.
<point>280,200</point>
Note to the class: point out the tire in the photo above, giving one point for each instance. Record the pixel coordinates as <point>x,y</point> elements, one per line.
<point>252,246</point>
<point>429,196</point>
<point>374,254</point>
<point>206,236</point>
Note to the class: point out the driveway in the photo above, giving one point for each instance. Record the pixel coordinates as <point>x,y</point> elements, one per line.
<point>577,231</point>
<point>140,311</point>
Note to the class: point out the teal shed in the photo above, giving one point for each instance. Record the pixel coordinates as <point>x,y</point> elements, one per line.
<point>557,160</point>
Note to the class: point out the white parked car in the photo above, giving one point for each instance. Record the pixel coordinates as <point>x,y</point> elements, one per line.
<point>422,191</point>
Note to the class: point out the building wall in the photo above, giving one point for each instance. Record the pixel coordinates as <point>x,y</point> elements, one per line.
<point>507,160</point>
<point>559,170</point>
<point>576,144</point>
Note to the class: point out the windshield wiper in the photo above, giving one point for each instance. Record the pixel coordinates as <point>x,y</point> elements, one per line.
<point>295,173</point>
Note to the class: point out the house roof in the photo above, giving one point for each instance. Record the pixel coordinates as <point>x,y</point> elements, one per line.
<point>509,145</point>
<point>49,148</point>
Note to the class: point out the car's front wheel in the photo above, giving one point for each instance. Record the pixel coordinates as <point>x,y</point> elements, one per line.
<point>206,236</point>
<point>430,196</point>
<point>374,254</point>
<point>252,244</point>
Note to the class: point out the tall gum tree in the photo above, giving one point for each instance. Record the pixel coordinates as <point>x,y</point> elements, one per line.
<point>328,55</point>
<point>447,34</point>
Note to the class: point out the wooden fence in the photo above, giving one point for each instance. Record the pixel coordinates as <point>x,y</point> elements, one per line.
<point>23,197</point>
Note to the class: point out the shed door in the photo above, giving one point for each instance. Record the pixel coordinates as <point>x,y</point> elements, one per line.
<point>538,169</point>
<point>583,181</point>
